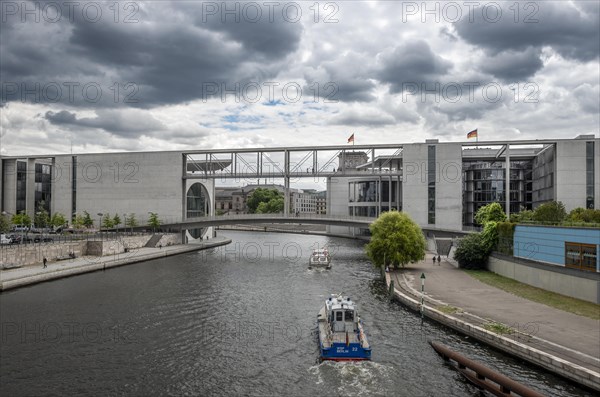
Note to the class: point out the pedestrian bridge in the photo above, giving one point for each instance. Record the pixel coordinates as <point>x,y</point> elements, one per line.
<point>315,219</point>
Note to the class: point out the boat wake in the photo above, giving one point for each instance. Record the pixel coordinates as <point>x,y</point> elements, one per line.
<point>353,378</point>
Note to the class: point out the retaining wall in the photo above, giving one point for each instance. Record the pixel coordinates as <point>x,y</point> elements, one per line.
<point>30,254</point>
<point>570,282</point>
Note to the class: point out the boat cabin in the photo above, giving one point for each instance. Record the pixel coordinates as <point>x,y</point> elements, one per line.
<point>341,314</point>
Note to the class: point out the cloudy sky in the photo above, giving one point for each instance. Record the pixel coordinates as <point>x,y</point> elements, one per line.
<point>158,75</point>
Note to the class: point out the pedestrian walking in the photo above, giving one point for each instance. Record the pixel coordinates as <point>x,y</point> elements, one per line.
<point>45,262</point>
<point>439,261</point>
<point>433,259</point>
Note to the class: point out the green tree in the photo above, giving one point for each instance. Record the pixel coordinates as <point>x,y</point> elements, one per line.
<point>491,212</point>
<point>87,219</point>
<point>41,218</point>
<point>21,219</point>
<point>107,221</point>
<point>58,219</point>
<point>395,238</point>
<point>262,195</point>
<point>131,221</point>
<point>153,220</point>
<point>273,206</point>
<point>551,212</point>
<point>471,253</point>
<point>584,215</point>
<point>522,216</point>
<point>4,223</point>
<point>78,222</point>
<point>117,220</point>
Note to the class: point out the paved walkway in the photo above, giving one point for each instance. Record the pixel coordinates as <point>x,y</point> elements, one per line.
<point>562,334</point>
<point>17,277</point>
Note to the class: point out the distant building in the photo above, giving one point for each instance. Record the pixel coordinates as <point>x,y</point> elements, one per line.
<point>304,202</point>
<point>321,202</point>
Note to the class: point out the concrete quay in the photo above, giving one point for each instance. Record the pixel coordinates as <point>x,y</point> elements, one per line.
<point>32,274</point>
<point>561,342</point>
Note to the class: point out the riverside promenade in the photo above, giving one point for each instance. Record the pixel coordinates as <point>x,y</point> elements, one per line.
<point>26,275</point>
<point>561,342</point>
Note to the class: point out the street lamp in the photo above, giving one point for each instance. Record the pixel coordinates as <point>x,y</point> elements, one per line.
<point>100,214</point>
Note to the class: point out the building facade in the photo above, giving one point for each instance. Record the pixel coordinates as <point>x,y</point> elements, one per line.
<point>109,183</point>
<point>441,185</point>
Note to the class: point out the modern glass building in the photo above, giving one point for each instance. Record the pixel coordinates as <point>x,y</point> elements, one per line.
<point>442,185</point>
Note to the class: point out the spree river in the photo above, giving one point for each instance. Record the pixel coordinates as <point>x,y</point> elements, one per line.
<point>238,320</point>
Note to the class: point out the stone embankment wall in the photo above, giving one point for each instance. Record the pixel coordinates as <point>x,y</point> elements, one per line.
<point>117,246</point>
<point>29,254</point>
<point>169,239</point>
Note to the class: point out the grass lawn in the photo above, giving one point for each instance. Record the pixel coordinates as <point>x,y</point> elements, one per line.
<point>539,295</point>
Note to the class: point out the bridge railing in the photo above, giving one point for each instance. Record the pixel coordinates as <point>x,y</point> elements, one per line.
<point>299,217</point>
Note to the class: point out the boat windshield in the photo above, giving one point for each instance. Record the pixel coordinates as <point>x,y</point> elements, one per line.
<point>349,316</point>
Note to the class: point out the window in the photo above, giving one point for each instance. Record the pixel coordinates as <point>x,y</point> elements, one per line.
<point>431,184</point>
<point>349,316</point>
<point>581,256</point>
<point>339,316</point>
<point>589,170</point>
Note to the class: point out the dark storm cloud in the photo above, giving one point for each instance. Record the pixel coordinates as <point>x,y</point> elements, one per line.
<point>127,123</point>
<point>570,29</point>
<point>346,79</point>
<point>511,66</point>
<point>168,57</point>
<point>411,63</point>
<point>259,28</point>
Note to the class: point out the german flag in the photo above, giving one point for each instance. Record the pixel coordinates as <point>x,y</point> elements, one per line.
<point>472,134</point>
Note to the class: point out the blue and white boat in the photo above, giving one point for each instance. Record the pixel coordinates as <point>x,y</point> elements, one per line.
<point>341,333</point>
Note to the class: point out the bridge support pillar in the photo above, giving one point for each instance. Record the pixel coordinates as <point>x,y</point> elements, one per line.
<point>286,200</point>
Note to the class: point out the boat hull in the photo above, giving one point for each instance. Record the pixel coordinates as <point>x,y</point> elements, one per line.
<point>343,352</point>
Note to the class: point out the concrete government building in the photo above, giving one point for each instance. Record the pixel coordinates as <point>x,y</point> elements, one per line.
<point>439,184</point>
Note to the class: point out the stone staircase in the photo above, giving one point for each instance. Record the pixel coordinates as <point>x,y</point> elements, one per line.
<point>153,240</point>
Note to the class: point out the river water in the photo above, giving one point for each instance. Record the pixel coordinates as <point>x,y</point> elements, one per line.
<point>238,320</point>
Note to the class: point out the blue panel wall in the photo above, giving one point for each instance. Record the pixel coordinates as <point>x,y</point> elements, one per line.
<point>547,243</point>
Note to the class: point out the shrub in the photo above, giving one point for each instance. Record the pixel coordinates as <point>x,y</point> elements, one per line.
<point>492,212</point>
<point>584,215</point>
<point>471,252</point>
<point>506,231</point>
<point>551,212</point>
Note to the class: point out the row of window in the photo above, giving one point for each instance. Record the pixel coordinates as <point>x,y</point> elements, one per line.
<point>581,256</point>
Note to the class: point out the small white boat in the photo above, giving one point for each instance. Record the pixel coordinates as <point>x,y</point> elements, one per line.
<point>320,258</point>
